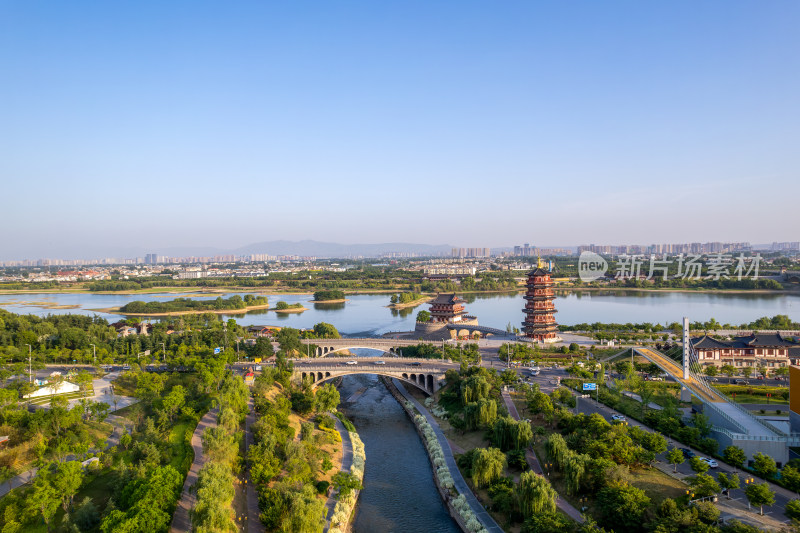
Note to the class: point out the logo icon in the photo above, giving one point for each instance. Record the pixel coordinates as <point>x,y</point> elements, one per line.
<point>591,266</point>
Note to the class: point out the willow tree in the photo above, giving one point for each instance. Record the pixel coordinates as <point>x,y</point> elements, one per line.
<point>576,468</point>
<point>474,388</point>
<point>535,495</point>
<point>557,449</point>
<point>487,466</point>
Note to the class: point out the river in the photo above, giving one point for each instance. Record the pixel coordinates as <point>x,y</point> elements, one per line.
<point>367,314</point>
<point>399,492</point>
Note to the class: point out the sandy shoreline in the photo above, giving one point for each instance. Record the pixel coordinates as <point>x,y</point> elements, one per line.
<point>117,311</point>
<point>337,301</point>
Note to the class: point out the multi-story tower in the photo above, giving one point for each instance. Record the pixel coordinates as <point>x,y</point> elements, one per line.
<point>540,324</point>
<point>447,308</point>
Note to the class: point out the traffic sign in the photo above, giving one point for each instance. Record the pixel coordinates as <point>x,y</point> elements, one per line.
<point>217,350</point>
<point>590,386</point>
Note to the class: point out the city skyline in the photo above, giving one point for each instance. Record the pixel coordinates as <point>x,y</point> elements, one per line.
<point>153,126</point>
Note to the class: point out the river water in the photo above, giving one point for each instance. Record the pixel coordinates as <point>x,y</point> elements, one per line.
<point>399,492</point>
<point>367,314</point>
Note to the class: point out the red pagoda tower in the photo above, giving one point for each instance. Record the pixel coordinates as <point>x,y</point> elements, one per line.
<point>447,308</point>
<point>540,324</point>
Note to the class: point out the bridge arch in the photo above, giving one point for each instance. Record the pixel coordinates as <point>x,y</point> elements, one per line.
<point>426,382</point>
<point>392,351</point>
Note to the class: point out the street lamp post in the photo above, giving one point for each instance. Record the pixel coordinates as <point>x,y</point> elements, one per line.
<point>30,371</point>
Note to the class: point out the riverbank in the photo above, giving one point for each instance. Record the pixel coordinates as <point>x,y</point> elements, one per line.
<point>337,301</point>
<point>464,507</point>
<point>118,311</point>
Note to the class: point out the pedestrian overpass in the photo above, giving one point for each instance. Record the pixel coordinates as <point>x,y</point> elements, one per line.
<point>732,423</point>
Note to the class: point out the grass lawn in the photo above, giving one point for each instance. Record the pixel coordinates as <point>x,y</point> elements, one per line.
<point>177,442</point>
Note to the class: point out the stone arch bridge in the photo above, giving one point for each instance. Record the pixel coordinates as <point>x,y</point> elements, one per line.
<point>389,346</point>
<point>424,374</point>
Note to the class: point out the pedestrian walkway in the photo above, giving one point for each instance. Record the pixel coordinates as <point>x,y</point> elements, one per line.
<point>533,462</point>
<point>254,524</point>
<point>458,480</point>
<point>181,520</point>
<point>347,464</point>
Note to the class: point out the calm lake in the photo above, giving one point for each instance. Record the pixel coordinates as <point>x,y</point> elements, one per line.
<point>367,314</point>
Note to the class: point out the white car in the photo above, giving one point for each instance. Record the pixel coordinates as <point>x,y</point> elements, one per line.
<point>618,418</point>
<point>710,462</point>
<point>380,362</point>
<point>352,362</point>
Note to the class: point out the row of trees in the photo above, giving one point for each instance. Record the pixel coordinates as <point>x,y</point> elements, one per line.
<point>215,481</point>
<point>286,471</point>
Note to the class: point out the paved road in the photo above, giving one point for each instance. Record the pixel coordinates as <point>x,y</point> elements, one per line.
<point>458,480</point>
<point>533,461</point>
<point>181,521</point>
<point>736,507</point>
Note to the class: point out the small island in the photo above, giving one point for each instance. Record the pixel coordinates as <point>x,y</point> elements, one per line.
<point>283,307</point>
<point>329,297</point>
<point>407,299</point>
<point>180,306</point>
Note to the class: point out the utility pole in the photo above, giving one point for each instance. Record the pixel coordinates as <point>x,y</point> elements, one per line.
<point>30,372</point>
<point>164,347</point>
<point>94,352</point>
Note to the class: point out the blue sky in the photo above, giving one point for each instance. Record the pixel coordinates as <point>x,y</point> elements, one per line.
<point>471,123</point>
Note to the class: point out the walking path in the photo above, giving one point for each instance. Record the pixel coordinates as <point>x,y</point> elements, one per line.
<point>181,520</point>
<point>458,480</point>
<point>119,425</point>
<point>347,464</point>
<point>533,461</point>
<point>254,524</point>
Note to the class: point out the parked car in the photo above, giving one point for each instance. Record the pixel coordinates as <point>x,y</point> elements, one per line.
<point>742,382</point>
<point>710,462</point>
<point>687,453</point>
<point>618,418</point>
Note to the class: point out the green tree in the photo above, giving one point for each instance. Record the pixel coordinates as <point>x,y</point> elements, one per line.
<point>703,485</point>
<point>698,465</point>
<point>346,483</point>
<point>728,482</point>
<point>759,494</point>
<point>42,500</point>
<point>622,506</point>
<point>66,480</point>
<point>791,478</point>
<point>734,456</point>
<point>728,370</point>
<point>423,316</point>
<point>327,398</point>
<point>535,495</point>
<point>675,457</point>
<point>793,509</point>
<point>324,330</point>
<point>764,465</point>
<point>487,465</point>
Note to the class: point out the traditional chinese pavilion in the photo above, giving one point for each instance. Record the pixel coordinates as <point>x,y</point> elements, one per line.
<point>540,324</point>
<point>447,308</point>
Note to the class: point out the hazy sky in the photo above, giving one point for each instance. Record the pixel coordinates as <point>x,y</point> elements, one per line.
<point>471,123</point>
